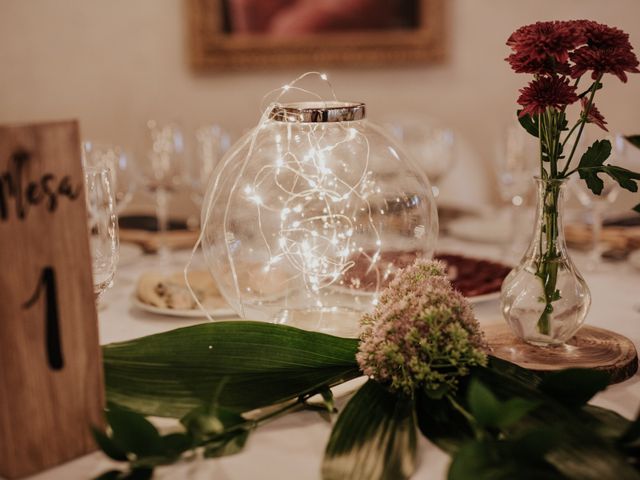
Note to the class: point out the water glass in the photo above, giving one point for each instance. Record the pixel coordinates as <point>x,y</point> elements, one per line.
<point>103,226</point>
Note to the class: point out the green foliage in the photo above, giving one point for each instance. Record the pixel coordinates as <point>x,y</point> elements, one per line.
<point>226,444</point>
<point>501,422</point>
<point>597,85</point>
<point>134,433</point>
<point>633,140</point>
<point>246,364</point>
<point>442,423</point>
<point>529,123</point>
<point>135,440</point>
<point>574,387</point>
<point>488,411</point>
<point>522,457</point>
<point>374,437</point>
<point>592,164</point>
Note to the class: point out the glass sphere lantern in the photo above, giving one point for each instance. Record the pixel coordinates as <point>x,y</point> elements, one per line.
<point>311,213</point>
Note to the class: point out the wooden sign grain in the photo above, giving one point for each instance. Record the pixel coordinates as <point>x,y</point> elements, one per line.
<point>51,384</point>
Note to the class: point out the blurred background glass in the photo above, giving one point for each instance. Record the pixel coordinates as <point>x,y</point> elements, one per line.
<point>122,167</point>
<point>162,172</point>
<point>428,142</point>
<point>596,207</point>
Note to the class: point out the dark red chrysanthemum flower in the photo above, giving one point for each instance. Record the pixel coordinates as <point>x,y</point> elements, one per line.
<point>545,92</point>
<point>598,35</point>
<point>593,115</point>
<point>616,61</point>
<point>541,40</point>
<point>522,63</point>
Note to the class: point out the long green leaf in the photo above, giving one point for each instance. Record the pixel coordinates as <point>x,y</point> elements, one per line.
<point>634,140</point>
<point>584,453</point>
<point>374,437</point>
<point>246,364</point>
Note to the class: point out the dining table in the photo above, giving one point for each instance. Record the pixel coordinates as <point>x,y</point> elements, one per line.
<point>292,446</point>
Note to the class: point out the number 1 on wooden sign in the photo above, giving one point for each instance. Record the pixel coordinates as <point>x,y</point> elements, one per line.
<point>52,323</point>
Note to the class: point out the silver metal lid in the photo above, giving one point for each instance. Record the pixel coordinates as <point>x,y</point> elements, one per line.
<point>318,112</point>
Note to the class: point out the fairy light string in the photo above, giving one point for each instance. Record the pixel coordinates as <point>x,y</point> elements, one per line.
<point>319,211</point>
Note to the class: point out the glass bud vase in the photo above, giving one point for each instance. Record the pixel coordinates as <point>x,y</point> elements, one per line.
<point>545,299</point>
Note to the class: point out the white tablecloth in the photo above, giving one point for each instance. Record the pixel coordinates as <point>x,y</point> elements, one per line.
<point>292,447</point>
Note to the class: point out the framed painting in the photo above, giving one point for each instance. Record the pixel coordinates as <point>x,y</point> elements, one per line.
<point>242,34</point>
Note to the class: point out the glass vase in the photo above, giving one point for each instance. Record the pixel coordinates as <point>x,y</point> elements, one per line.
<point>545,299</point>
<point>311,214</point>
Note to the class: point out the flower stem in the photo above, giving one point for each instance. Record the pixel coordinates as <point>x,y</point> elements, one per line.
<point>468,417</point>
<point>583,121</point>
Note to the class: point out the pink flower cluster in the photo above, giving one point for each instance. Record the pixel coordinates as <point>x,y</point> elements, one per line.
<point>557,51</point>
<point>422,334</point>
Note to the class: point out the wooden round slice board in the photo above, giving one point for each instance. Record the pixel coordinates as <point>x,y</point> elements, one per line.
<point>591,347</point>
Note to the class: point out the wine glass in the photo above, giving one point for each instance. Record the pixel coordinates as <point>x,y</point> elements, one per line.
<point>103,226</point>
<point>212,141</point>
<point>161,172</point>
<point>120,162</point>
<point>597,205</point>
<point>430,144</point>
<point>516,165</point>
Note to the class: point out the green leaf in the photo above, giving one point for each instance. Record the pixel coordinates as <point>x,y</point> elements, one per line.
<point>606,423</point>
<point>441,423</point>
<point>327,399</point>
<point>528,123</point>
<point>597,85</point>
<point>495,460</point>
<point>636,208</point>
<point>631,435</point>
<point>110,475</point>
<point>633,140</point>
<point>142,473</point>
<point>491,412</point>
<point>108,446</point>
<point>625,178</point>
<point>134,433</point>
<point>485,407</point>
<point>583,454</point>
<point>513,410</point>
<point>591,163</point>
<point>174,444</point>
<point>534,443</point>
<point>227,444</point>
<point>205,422</point>
<point>258,363</point>
<point>374,437</point>
<point>574,387</point>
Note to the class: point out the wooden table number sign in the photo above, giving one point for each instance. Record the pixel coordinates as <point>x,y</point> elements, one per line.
<point>51,382</point>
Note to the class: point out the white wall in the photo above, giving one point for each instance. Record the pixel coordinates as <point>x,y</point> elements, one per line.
<point>115,63</point>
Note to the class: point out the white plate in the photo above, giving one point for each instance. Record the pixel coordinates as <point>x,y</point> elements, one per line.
<point>193,313</point>
<point>480,229</point>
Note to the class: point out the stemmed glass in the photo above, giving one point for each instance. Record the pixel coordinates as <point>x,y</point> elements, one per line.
<point>212,142</point>
<point>597,205</point>
<point>161,172</point>
<point>121,164</point>
<point>430,144</point>
<point>516,166</point>
<point>103,226</point>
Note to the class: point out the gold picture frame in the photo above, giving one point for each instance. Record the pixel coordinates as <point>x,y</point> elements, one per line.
<point>213,49</point>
